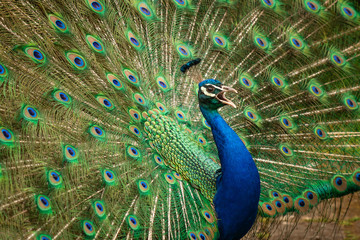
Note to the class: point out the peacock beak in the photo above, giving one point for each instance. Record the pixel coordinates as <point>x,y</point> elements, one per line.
<point>221,95</point>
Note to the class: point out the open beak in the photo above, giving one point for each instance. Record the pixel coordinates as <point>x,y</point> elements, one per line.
<point>221,96</point>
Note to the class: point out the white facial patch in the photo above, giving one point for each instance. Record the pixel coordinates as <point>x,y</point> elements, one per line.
<point>203,89</point>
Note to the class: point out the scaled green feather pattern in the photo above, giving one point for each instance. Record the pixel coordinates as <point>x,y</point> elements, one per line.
<point>101,136</point>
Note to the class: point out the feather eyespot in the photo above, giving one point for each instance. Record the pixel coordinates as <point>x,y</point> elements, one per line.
<point>108,177</point>
<point>134,41</point>
<point>251,115</point>
<point>208,216</point>
<point>348,12</point>
<point>97,6</point>
<point>114,81</point>
<point>131,77</point>
<point>105,102</point>
<point>169,178</point>
<point>97,132</point>
<point>316,90</point>
<point>287,122</point>
<point>62,97</point>
<point>274,194</point>
<point>99,208</point>
<point>30,114</point>
<point>279,205</point>
<point>268,209</point>
<point>95,44</point>
<point>192,235</point>
<point>180,115</point>
<point>162,83</point>
<point>202,140</point>
<point>43,237</point>
<point>321,133</point>
<point>312,6</point>
<point>269,3</point>
<point>209,232</point>
<point>261,42</point>
<point>158,160</point>
<point>133,152</point>
<point>88,228</point>
<point>3,72</point>
<point>35,54</point>
<point>139,99</point>
<point>288,201</point>
<point>43,204</point>
<point>143,187</point>
<point>351,103</point>
<point>183,50</point>
<point>181,3</point>
<point>70,153</point>
<point>301,205</point>
<point>133,222</point>
<point>278,81</point>
<point>311,196</point>
<point>286,151</point>
<point>77,61</point>
<point>177,175</point>
<point>220,41</point>
<point>58,23</point>
<point>6,136</point>
<point>161,107</point>
<point>202,236</point>
<point>356,177</point>
<point>54,178</point>
<point>247,81</point>
<point>339,183</point>
<point>297,43</point>
<point>135,130</point>
<point>134,114</point>
<point>206,124</point>
<point>338,59</point>
<point>145,10</point>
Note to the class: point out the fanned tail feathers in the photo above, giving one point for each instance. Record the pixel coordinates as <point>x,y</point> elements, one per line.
<point>100,132</point>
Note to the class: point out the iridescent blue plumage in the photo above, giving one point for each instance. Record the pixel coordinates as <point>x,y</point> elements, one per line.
<point>238,186</point>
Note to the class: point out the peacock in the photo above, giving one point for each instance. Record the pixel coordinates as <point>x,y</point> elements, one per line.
<point>177,119</point>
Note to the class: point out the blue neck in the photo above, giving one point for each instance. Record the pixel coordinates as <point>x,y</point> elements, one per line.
<point>238,188</point>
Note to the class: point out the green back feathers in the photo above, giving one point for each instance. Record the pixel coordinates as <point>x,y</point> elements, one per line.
<point>100,131</point>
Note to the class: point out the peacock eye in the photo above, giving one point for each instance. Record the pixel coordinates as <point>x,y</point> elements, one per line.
<point>210,89</point>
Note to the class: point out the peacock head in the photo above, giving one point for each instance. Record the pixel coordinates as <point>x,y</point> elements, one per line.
<point>212,94</point>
